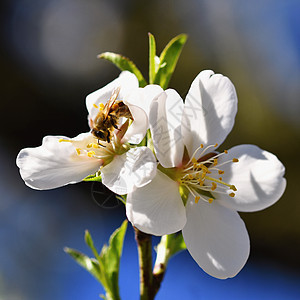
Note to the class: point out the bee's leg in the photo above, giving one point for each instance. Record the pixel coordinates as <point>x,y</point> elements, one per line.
<point>101,144</point>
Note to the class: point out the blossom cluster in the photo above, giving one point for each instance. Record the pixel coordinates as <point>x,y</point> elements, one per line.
<point>165,158</point>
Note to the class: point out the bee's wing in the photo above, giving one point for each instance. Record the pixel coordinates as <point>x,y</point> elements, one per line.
<point>111,101</point>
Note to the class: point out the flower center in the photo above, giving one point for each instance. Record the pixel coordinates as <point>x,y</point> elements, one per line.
<point>104,152</point>
<point>202,177</point>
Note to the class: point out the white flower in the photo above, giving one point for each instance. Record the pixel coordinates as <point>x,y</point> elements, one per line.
<point>61,160</point>
<point>244,178</point>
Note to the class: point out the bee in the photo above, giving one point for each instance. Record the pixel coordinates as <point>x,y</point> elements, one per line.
<point>108,117</point>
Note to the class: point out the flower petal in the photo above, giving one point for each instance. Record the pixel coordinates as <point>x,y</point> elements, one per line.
<point>165,125</point>
<point>142,97</point>
<point>127,82</point>
<point>54,164</point>
<point>258,177</point>
<point>209,110</point>
<point>216,237</point>
<point>138,128</point>
<point>157,207</point>
<point>135,168</point>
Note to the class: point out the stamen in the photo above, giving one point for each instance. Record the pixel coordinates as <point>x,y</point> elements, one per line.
<point>95,105</point>
<point>235,160</point>
<point>91,153</point>
<point>231,194</point>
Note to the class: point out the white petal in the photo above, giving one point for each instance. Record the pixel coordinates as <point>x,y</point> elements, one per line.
<point>135,168</point>
<point>127,82</point>
<point>156,208</point>
<point>142,97</point>
<point>55,164</point>
<point>209,110</point>
<point>258,177</point>
<point>138,128</point>
<point>165,125</point>
<point>216,237</point>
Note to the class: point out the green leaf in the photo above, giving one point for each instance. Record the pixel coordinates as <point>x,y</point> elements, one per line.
<point>90,264</point>
<point>175,243</point>
<point>93,177</point>
<point>168,60</point>
<point>124,64</point>
<point>152,54</point>
<point>105,268</point>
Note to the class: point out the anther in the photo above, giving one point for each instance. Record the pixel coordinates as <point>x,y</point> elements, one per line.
<point>233,188</point>
<point>235,160</point>
<point>221,172</point>
<point>78,151</point>
<point>226,151</point>
<point>215,162</point>
<point>210,200</point>
<point>213,186</point>
<point>197,198</point>
<point>91,153</point>
<point>216,145</point>
<point>231,194</point>
<point>95,105</point>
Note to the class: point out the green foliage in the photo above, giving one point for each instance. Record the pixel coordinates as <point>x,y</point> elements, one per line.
<point>152,54</point>
<point>104,266</point>
<point>168,60</point>
<point>93,177</point>
<point>124,64</point>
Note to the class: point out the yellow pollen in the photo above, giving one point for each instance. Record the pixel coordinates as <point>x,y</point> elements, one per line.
<point>221,172</point>
<point>101,106</point>
<point>226,151</point>
<point>63,140</point>
<point>210,200</point>
<point>95,105</point>
<point>191,176</point>
<point>216,145</point>
<point>215,161</point>
<point>220,178</point>
<point>235,160</point>
<point>197,198</point>
<point>231,194</point>
<point>78,151</point>
<point>89,145</point>
<point>233,188</point>
<point>213,186</point>
<point>91,153</point>
<point>96,146</point>
<point>201,146</point>
<point>194,160</point>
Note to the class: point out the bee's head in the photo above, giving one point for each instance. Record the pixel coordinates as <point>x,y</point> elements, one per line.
<point>101,135</point>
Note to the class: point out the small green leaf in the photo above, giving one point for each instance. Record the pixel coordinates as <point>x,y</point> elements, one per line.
<point>175,243</point>
<point>168,60</point>
<point>124,64</point>
<point>152,54</point>
<point>90,264</point>
<point>93,177</point>
<point>89,241</point>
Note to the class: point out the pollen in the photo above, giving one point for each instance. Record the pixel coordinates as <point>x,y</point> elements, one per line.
<point>213,186</point>
<point>231,194</point>
<point>221,172</point>
<point>197,198</point>
<point>216,145</point>
<point>215,161</point>
<point>91,153</point>
<point>233,188</point>
<point>78,151</point>
<point>226,151</point>
<point>63,140</point>
<point>210,200</point>
<point>201,146</point>
<point>235,160</point>
<point>101,106</point>
<point>194,160</point>
<point>95,105</point>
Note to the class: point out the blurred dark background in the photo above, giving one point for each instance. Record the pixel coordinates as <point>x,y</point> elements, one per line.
<point>48,66</point>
